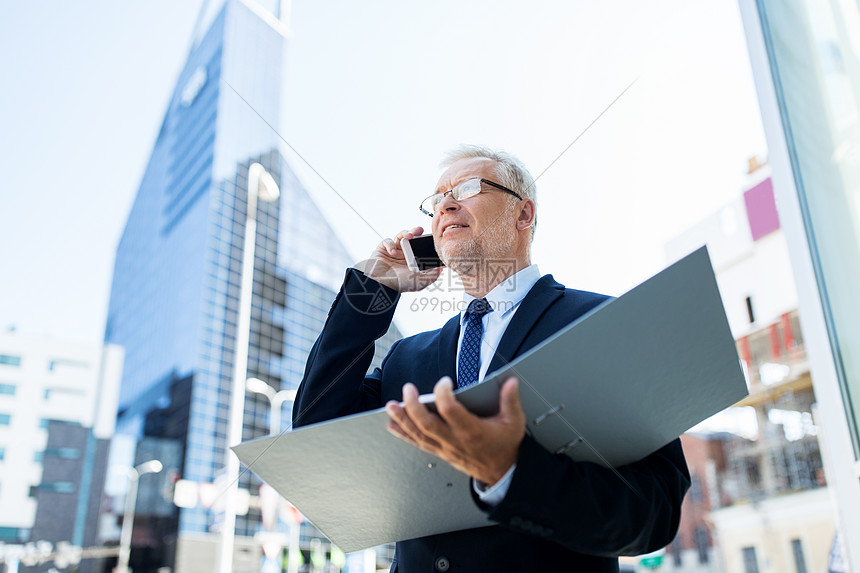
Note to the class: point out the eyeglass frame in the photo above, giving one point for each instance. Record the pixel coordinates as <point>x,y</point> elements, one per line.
<point>450,191</point>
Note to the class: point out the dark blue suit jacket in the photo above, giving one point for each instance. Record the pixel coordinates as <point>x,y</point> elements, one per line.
<point>558,515</point>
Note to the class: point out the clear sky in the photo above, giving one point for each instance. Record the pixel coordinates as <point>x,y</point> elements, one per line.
<point>377,91</point>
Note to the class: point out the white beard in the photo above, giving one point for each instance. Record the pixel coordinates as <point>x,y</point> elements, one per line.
<point>494,243</point>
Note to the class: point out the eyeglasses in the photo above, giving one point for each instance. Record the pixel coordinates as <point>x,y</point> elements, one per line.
<point>463,190</point>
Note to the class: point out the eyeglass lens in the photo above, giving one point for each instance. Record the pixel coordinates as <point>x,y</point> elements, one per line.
<point>464,190</point>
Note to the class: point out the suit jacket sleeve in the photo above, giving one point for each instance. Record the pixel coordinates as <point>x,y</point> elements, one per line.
<point>592,509</point>
<point>334,383</point>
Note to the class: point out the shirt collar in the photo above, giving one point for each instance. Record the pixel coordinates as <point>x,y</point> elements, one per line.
<point>508,294</point>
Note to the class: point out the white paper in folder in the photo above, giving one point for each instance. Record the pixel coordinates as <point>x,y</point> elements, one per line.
<point>614,386</point>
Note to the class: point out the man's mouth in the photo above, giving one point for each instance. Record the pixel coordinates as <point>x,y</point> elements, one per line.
<point>454,226</point>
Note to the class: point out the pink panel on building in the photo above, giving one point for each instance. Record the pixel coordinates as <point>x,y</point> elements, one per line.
<point>761,209</point>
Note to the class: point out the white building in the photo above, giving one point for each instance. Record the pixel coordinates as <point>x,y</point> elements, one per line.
<point>41,380</point>
<point>749,256</point>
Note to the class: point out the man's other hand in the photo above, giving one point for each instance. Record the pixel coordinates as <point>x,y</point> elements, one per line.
<point>387,265</point>
<point>483,448</point>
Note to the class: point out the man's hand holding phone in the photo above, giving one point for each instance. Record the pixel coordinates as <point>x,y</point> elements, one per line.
<point>389,266</point>
<point>420,253</point>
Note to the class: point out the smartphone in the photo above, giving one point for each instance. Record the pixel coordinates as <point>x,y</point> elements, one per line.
<point>420,253</point>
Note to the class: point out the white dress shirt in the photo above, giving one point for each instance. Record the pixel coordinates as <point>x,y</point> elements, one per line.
<point>504,299</point>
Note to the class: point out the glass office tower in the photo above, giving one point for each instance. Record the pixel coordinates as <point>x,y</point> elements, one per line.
<point>175,293</point>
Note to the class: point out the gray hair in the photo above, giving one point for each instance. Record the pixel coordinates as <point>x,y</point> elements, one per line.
<point>510,171</point>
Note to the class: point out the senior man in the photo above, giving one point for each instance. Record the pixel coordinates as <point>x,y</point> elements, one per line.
<point>552,513</point>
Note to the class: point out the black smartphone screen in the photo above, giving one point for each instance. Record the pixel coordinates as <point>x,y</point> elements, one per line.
<point>425,253</point>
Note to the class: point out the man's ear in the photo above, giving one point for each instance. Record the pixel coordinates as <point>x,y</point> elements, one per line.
<point>527,215</point>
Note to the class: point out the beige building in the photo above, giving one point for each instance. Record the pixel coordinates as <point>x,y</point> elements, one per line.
<point>784,533</point>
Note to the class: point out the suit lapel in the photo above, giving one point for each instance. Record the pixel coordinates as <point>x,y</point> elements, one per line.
<point>545,292</point>
<point>448,350</point>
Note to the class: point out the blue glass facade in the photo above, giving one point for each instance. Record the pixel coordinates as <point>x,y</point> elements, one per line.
<point>815,64</point>
<point>806,64</point>
<point>175,293</point>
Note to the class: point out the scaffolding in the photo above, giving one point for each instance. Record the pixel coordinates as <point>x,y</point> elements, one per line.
<point>785,455</point>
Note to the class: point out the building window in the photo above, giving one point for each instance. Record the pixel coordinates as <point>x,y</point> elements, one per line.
<point>56,487</point>
<point>750,313</point>
<point>799,561</point>
<point>13,534</point>
<point>750,560</point>
<point>5,419</point>
<point>54,364</point>
<point>2,453</point>
<point>49,392</point>
<point>43,423</point>
<point>676,551</point>
<point>695,489</point>
<point>702,544</point>
<point>65,453</point>
<point>10,360</point>
<point>7,389</point>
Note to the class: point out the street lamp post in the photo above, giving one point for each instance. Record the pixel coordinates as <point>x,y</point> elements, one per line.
<point>150,467</point>
<point>276,401</point>
<point>262,185</point>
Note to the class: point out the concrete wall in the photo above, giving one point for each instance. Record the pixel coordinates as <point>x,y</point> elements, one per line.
<point>197,553</point>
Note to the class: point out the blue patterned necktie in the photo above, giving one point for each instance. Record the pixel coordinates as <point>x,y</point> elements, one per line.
<point>470,350</point>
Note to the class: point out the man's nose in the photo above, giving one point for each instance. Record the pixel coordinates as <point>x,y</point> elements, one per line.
<point>448,203</point>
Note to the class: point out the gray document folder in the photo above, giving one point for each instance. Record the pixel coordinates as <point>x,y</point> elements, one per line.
<point>614,386</point>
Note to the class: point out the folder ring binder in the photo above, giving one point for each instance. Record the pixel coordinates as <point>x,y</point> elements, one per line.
<point>551,412</point>
<point>569,446</point>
